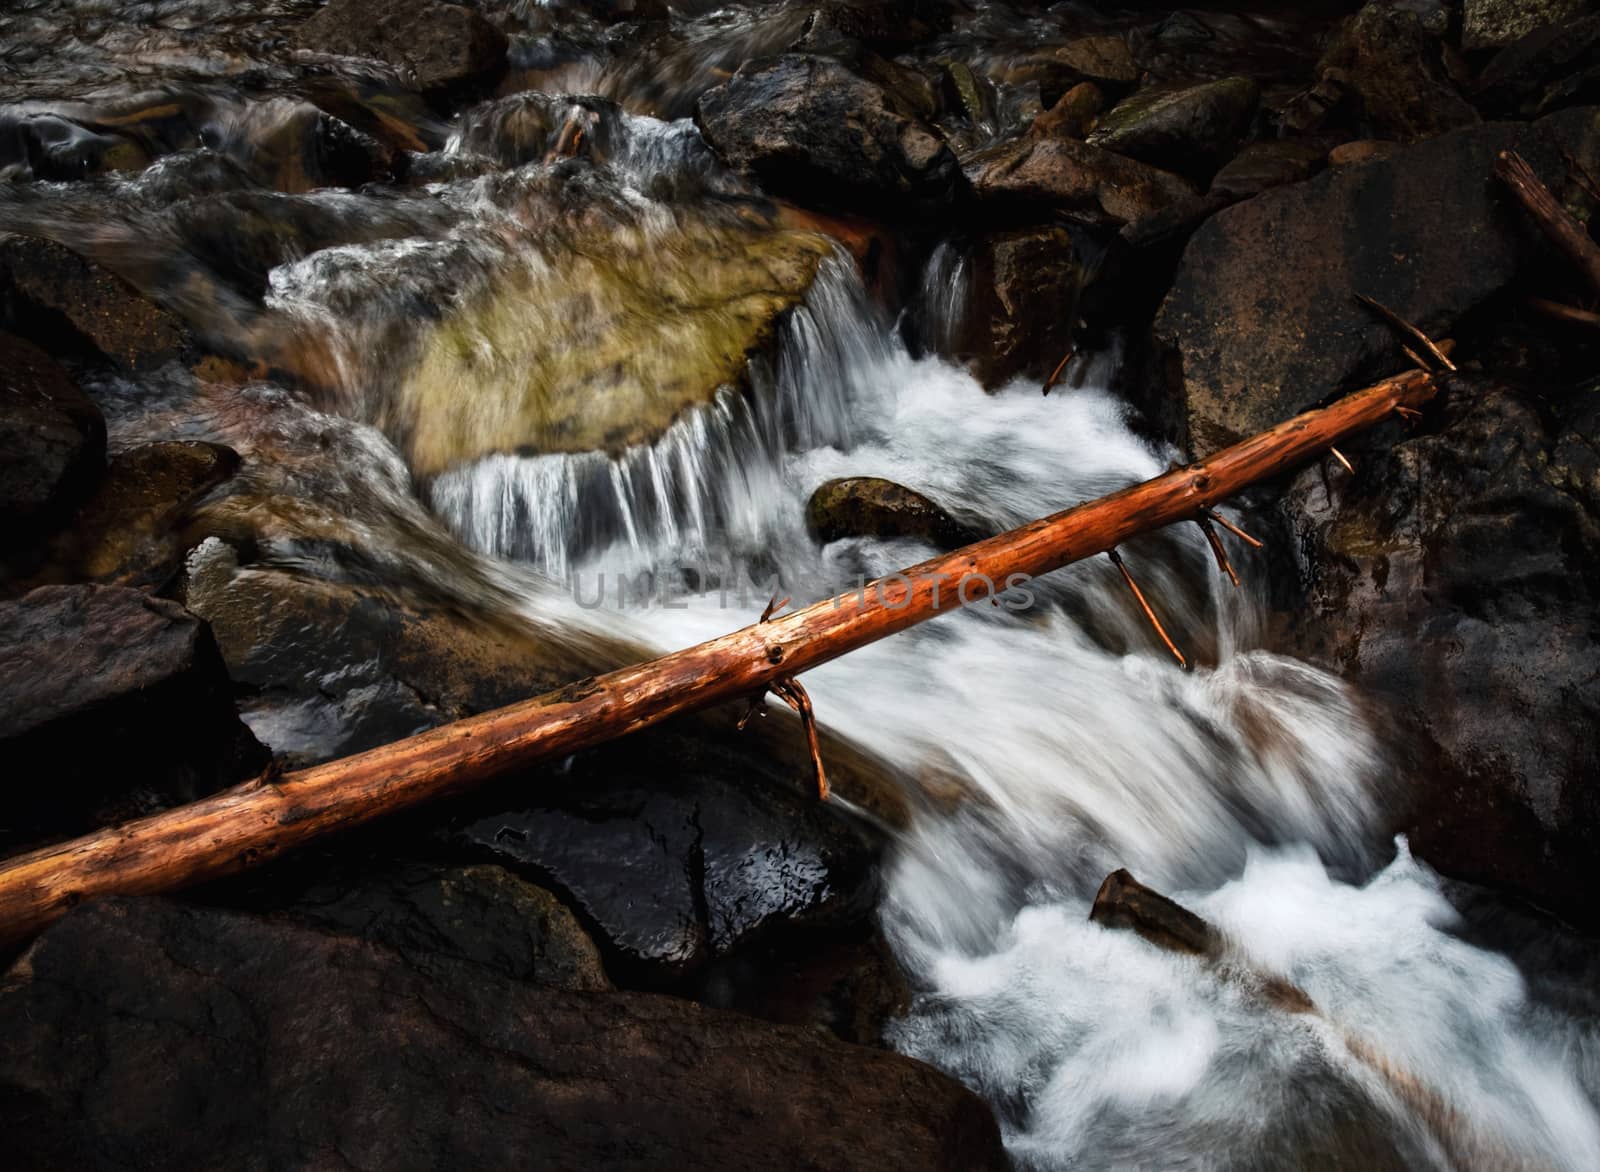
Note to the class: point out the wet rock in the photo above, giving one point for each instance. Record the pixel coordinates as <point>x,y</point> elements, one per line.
<point>1049,176</point>
<point>120,700</point>
<point>1322,106</point>
<point>295,147</point>
<point>1494,24</point>
<point>398,118</point>
<point>131,530</point>
<point>334,668</point>
<point>1548,68</point>
<point>667,321</point>
<point>1100,58</point>
<point>483,914</point>
<point>868,506</point>
<point>528,128</point>
<point>808,129</point>
<point>73,307</point>
<point>1022,304</point>
<point>1192,130</point>
<point>675,867</point>
<point>1261,321</point>
<point>52,441</point>
<point>889,26</point>
<point>1262,166</point>
<point>48,146</point>
<point>197,1038</point>
<point>1397,68</point>
<point>1365,150</point>
<point>1074,115</point>
<point>441,46</point>
<point>1453,578</point>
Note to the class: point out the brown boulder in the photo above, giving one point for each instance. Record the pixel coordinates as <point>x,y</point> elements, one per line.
<point>808,129</point>
<point>71,306</point>
<point>868,506</point>
<point>1024,290</point>
<point>1188,129</point>
<point>1046,176</point>
<point>442,46</point>
<point>1399,71</point>
<point>183,1037</point>
<point>130,531</point>
<point>1265,165</point>
<point>1261,320</point>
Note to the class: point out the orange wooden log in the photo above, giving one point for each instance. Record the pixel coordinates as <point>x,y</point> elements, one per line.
<point>261,819</point>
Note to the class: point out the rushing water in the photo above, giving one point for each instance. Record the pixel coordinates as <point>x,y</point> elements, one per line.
<point>1054,739</point>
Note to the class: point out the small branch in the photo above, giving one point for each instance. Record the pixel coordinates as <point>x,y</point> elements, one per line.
<point>1554,221</point>
<point>1580,175</point>
<point>795,696</point>
<point>1411,334</point>
<point>1055,375</point>
<point>1116,560</point>
<point>1570,314</point>
<point>1340,456</point>
<point>1215,542</point>
<point>1213,515</point>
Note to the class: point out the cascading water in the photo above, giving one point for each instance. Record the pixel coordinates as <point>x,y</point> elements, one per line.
<point>1055,741</point>
<point>1250,788</point>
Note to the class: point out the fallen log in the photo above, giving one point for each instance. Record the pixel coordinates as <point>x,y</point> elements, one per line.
<point>1554,221</point>
<point>261,819</point>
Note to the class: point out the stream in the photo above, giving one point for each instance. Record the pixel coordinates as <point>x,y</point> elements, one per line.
<point>1051,740</point>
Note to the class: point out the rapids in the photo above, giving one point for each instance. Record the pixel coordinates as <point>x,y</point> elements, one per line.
<point>1253,789</point>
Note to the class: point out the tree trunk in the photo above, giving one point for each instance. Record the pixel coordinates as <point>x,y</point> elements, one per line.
<point>260,819</point>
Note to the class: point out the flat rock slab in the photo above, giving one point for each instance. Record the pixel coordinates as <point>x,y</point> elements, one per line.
<point>148,1034</point>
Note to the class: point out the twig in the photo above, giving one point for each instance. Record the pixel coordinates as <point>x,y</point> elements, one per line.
<point>1215,542</point>
<point>1055,375</point>
<point>1213,515</point>
<point>794,695</point>
<point>1567,313</point>
<point>1580,174</point>
<point>1116,560</point>
<point>1340,456</point>
<point>1410,333</point>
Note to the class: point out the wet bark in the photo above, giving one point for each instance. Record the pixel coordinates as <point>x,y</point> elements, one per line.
<point>261,819</point>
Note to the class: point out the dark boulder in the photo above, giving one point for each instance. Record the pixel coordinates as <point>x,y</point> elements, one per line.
<point>52,442</point>
<point>1550,67</point>
<point>131,531</point>
<point>1494,24</point>
<point>1021,307</point>
<point>1261,320</point>
<point>1454,579</point>
<point>180,1037</point>
<point>1192,130</point>
<point>72,307</point>
<point>810,130</point>
<point>441,46</point>
<point>335,668</point>
<point>1047,176</point>
<point>867,506</point>
<point>112,703</point>
<point>1073,115</point>
<point>1265,165</point>
<point>1398,69</point>
<point>483,914</point>
<point>676,866</point>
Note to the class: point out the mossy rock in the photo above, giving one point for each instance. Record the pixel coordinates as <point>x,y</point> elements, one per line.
<point>603,347</point>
